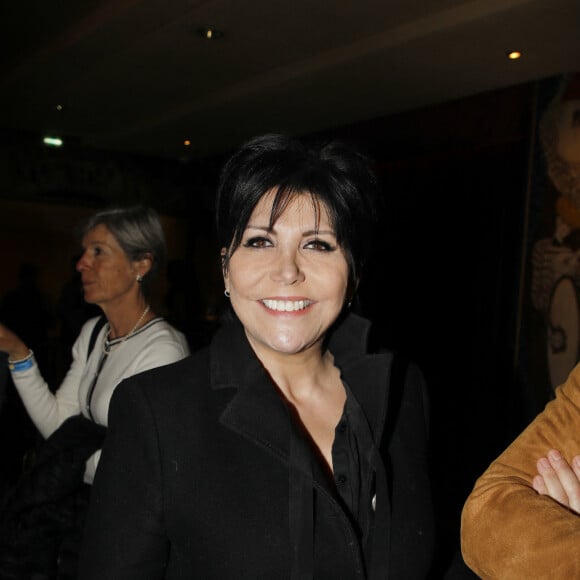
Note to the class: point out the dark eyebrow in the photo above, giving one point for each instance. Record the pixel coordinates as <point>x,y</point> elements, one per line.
<point>306,233</point>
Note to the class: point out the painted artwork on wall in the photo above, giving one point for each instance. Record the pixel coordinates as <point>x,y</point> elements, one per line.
<point>553,329</point>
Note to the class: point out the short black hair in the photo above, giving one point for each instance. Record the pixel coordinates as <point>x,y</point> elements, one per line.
<point>336,174</point>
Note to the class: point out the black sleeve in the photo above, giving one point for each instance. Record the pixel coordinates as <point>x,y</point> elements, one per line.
<point>412,513</point>
<point>124,536</point>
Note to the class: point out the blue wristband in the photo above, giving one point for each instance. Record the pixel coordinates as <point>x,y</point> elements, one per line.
<point>21,365</point>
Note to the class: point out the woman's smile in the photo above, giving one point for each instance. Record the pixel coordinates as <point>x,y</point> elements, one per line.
<point>286,305</point>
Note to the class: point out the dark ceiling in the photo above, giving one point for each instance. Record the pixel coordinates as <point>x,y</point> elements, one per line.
<point>135,75</point>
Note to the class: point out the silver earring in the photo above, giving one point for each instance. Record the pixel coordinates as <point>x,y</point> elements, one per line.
<point>226,294</point>
<point>139,278</point>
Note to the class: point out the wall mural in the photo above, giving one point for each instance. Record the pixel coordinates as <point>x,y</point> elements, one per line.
<point>555,213</point>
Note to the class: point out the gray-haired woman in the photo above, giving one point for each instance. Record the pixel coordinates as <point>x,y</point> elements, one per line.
<point>122,250</point>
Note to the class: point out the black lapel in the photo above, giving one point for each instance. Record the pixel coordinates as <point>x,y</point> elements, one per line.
<point>257,412</point>
<point>367,375</point>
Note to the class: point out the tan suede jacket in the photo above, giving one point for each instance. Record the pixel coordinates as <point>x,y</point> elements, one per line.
<point>508,531</point>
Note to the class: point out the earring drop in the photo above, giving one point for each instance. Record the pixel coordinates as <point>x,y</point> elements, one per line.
<point>139,278</point>
<point>226,294</point>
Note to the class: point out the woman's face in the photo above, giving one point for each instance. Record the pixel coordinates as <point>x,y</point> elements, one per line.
<point>108,276</point>
<point>287,285</point>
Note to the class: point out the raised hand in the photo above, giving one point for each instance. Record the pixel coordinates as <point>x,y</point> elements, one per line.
<point>11,343</point>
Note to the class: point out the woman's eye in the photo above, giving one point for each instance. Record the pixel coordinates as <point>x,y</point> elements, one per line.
<point>320,246</point>
<point>258,242</point>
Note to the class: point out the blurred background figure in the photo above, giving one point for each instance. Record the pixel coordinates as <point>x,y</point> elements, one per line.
<point>27,311</point>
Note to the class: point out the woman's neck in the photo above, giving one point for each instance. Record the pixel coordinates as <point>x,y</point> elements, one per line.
<point>300,376</point>
<point>128,318</point>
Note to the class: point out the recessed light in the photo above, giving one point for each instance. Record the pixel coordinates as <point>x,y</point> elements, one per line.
<point>514,54</point>
<point>210,33</point>
<point>187,142</point>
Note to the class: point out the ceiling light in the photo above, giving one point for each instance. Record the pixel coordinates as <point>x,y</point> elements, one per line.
<point>52,141</point>
<point>187,142</point>
<point>514,54</point>
<point>210,33</point>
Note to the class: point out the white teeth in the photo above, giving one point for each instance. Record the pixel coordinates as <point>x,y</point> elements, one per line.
<point>286,305</point>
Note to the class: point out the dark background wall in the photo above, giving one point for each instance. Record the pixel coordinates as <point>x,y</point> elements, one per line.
<point>443,286</point>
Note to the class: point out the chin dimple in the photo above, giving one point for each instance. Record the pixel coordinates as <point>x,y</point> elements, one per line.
<point>286,305</point>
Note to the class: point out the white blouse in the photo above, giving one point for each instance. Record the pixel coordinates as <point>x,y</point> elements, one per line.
<point>155,344</point>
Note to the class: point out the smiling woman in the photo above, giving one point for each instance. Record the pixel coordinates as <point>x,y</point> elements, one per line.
<point>285,449</point>
<point>287,282</point>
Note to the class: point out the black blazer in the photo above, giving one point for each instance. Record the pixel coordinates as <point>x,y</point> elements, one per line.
<point>193,481</point>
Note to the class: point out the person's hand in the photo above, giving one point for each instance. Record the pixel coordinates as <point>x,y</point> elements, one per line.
<point>559,479</point>
<point>11,344</point>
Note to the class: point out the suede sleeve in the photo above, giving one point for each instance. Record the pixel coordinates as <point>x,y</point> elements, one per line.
<point>508,531</point>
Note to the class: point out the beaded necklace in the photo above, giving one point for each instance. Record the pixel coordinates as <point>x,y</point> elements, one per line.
<point>107,343</point>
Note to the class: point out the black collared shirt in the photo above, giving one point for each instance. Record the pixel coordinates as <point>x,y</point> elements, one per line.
<point>353,471</point>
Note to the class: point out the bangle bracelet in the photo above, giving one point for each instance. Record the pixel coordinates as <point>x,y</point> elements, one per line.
<point>22,364</point>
